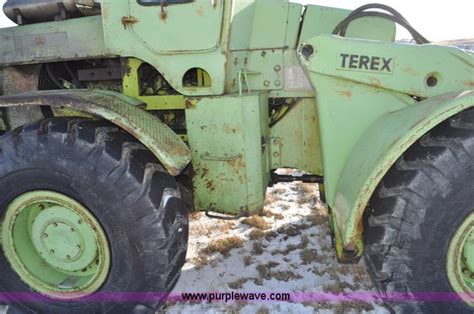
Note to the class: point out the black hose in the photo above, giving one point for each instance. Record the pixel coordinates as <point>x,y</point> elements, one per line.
<point>395,16</point>
<point>52,77</point>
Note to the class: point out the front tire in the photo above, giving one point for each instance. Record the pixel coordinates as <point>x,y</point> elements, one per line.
<point>123,186</point>
<point>424,201</point>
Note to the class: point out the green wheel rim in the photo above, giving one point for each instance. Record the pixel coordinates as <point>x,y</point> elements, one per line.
<point>55,245</point>
<point>460,261</point>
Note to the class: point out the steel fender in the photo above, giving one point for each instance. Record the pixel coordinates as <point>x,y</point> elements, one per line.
<point>121,110</point>
<point>376,151</point>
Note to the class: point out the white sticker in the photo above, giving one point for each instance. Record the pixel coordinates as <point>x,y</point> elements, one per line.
<point>296,79</point>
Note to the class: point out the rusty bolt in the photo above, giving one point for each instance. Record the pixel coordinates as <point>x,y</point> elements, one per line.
<point>277,68</point>
<point>276,142</point>
<point>266,83</point>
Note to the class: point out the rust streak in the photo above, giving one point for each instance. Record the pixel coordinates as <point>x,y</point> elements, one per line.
<point>346,93</point>
<point>129,21</point>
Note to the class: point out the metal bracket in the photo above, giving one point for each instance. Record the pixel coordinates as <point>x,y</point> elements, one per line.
<point>305,178</point>
<point>275,152</point>
<point>210,213</point>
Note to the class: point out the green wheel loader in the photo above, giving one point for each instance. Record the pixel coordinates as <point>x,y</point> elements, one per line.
<point>117,117</point>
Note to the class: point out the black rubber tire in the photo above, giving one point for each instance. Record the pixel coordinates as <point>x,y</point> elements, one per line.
<point>415,211</point>
<point>137,203</point>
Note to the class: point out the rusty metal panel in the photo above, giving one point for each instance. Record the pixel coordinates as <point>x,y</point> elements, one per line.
<point>15,80</point>
<point>229,156</point>
<point>63,40</point>
<point>120,110</point>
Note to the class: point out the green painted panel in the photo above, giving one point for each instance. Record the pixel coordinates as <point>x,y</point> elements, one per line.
<point>298,136</point>
<point>269,24</point>
<point>259,24</point>
<point>345,111</point>
<point>323,20</point>
<point>293,27</point>
<point>124,41</point>
<point>368,116</point>
<point>70,39</point>
<point>408,70</point>
<point>230,163</point>
<point>386,140</point>
<point>241,30</point>
<point>179,27</point>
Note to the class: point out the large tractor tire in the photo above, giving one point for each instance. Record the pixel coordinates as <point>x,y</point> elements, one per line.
<point>91,222</point>
<point>420,223</point>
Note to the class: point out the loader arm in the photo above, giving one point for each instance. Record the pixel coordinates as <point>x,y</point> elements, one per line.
<point>374,100</point>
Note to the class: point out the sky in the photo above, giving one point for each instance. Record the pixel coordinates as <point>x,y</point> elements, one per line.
<point>436,20</point>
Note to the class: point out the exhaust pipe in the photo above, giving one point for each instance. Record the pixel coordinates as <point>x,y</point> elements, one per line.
<point>37,11</point>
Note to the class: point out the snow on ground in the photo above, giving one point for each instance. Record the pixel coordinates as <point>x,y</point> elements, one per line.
<point>286,249</point>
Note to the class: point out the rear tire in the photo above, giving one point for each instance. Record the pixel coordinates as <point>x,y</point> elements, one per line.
<point>416,210</point>
<point>138,205</point>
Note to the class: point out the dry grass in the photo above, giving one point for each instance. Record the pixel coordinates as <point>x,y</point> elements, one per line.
<point>278,191</point>
<point>266,272</point>
<point>195,215</point>
<point>284,206</point>
<point>308,256</point>
<point>278,216</point>
<point>247,260</point>
<point>355,307</point>
<point>270,235</point>
<point>258,248</point>
<point>226,226</point>
<point>293,230</point>
<point>238,284</point>
<point>293,247</point>
<point>263,310</point>
<point>318,219</point>
<point>223,246</point>
<point>256,234</point>
<point>256,222</point>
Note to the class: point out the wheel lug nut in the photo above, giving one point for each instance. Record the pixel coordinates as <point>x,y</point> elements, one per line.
<point>51,251</point>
